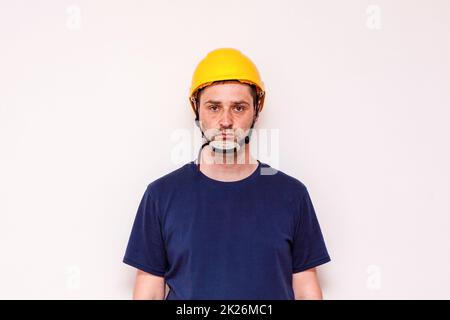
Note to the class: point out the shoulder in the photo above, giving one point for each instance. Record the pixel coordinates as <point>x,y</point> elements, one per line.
<point>281,179</point>
<point>285,187</point>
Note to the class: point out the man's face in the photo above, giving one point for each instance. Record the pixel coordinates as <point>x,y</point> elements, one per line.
<point>226,110</point>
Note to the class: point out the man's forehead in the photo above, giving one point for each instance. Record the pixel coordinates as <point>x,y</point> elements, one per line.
<point>215,101</point>
<point>221,92</point>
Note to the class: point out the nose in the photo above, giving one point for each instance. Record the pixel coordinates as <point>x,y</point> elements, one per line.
<point>226,120</point>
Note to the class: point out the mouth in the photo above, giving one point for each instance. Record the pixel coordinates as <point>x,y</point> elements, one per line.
<point>225,137</point>
<point>224,145</point>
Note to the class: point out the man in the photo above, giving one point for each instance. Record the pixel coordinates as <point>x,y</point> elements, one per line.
<point>226,226</point>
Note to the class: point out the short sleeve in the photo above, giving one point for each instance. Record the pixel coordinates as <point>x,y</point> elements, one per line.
<point>145,249</point>
<point>309,249</point>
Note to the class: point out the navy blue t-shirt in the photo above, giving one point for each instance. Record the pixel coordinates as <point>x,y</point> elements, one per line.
<point>212,239</point>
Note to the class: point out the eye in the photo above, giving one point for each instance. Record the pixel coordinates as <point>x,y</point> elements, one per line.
<point>239,108</point>
<point>213,107</point>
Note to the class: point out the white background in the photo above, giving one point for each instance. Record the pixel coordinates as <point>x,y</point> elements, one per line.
<point>92,94</point>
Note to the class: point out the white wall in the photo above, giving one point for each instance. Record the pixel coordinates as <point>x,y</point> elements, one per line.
<point>94,93</point>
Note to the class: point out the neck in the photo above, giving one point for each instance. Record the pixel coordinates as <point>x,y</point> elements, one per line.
<point>227,167</point>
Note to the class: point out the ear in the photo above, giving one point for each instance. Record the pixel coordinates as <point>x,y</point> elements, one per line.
<point>255,119</point>
<point>257,115</point>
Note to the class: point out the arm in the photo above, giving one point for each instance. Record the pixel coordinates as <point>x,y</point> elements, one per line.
<point>306,285</point>
<point>149,287</point>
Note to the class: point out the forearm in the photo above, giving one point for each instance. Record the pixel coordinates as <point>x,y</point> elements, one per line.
<point>145,294</point>
<point>309,293</point>
<point>306,285</point>
<point>149,287</point>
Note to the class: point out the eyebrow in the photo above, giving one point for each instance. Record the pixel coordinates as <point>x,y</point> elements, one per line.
<point>232,102</point>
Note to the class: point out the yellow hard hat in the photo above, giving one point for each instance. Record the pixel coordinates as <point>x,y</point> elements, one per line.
<point>226,64</point>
